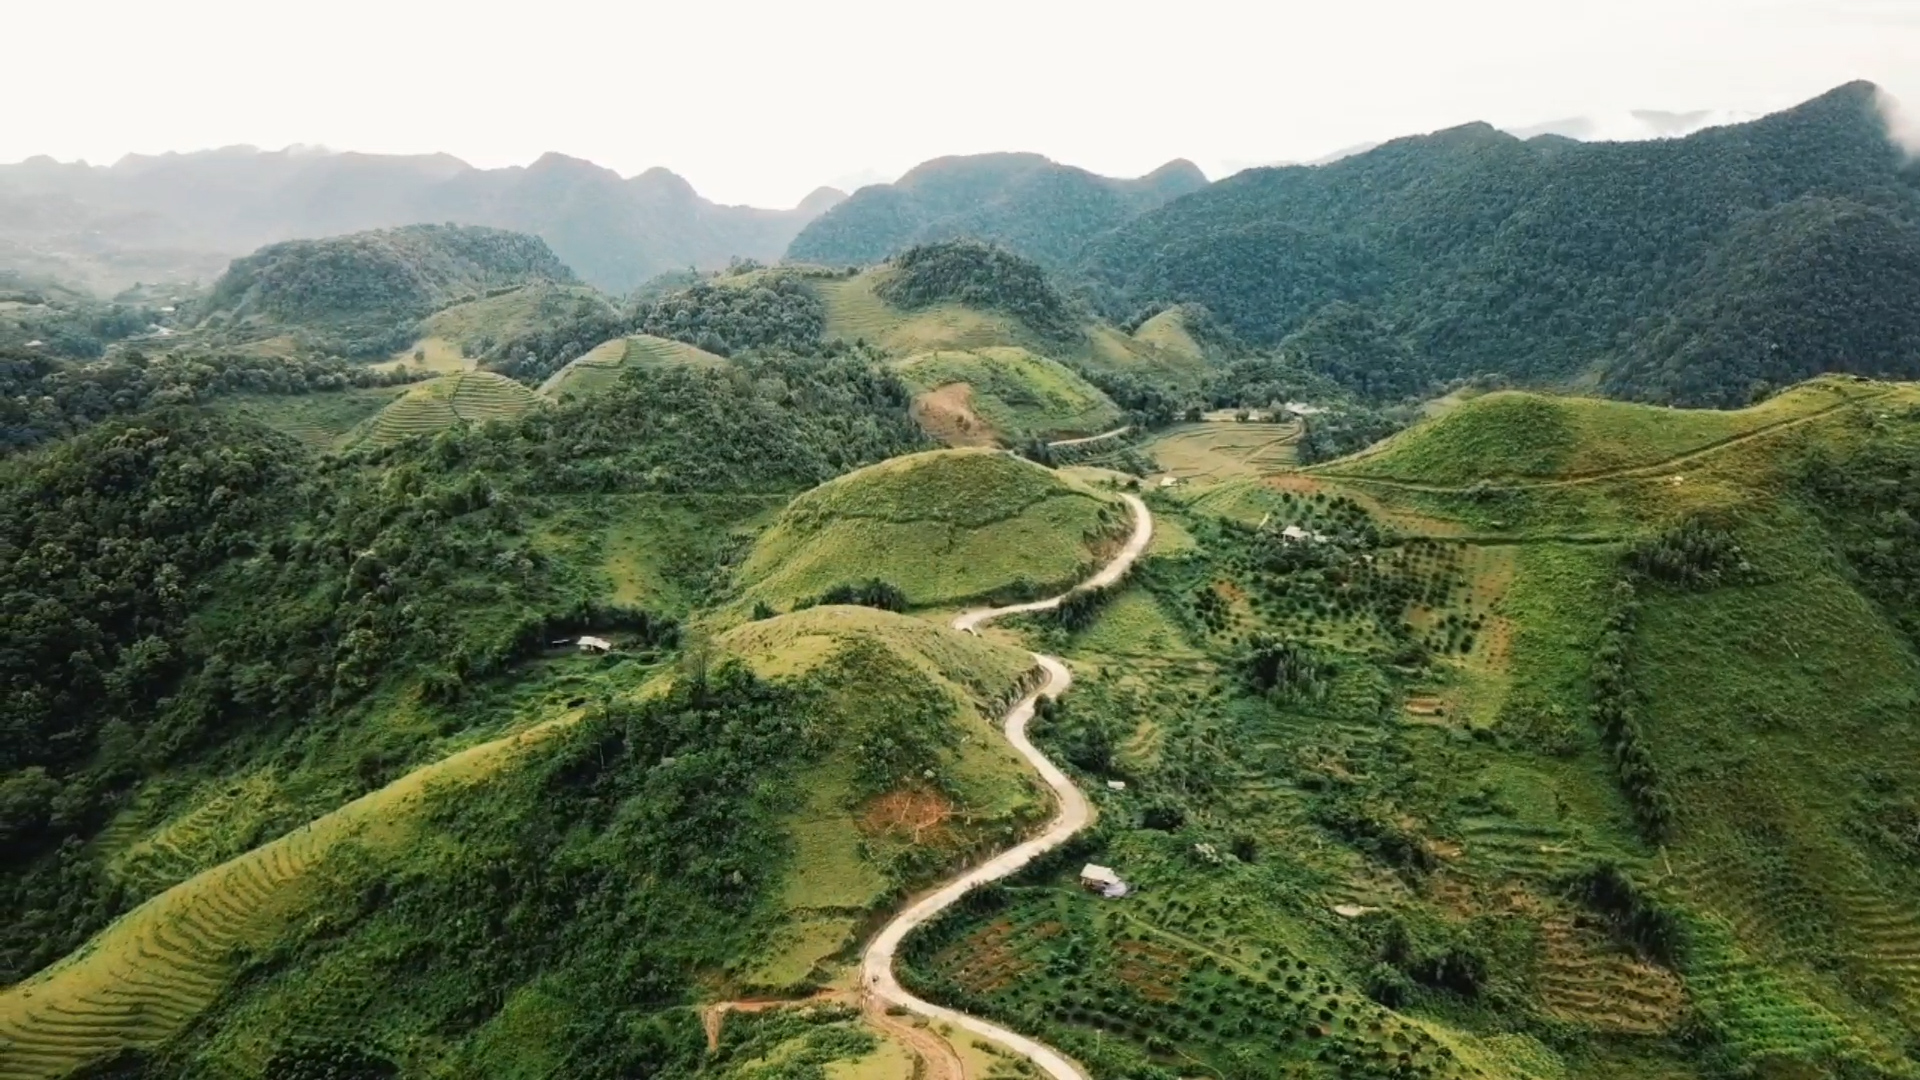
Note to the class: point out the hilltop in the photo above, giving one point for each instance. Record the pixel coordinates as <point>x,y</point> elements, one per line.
<point>943,527</point>
<point>1003,395</point>
<point>1038,208</point>
<point>363,294</point>
<point>1681,270</point>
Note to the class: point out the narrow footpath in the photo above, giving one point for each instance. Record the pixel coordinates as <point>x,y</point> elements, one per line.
<point>876,968</point>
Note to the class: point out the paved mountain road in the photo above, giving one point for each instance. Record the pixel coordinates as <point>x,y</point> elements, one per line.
<point>876,967</point>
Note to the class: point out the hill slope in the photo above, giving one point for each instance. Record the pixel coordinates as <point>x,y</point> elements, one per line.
<point>470,397</point>
<point>1024,202</point>
<point>1006,395</point>
<point>944,527</point>
<point>362,294</point>
<point>1750,243</point>
<point>604,362</point>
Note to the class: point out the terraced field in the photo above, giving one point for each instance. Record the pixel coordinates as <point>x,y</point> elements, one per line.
<point>149,974</point>
<point>468,397</point>
<point>602,366</point>
<point>322,421</point>
<point>1211,451</point>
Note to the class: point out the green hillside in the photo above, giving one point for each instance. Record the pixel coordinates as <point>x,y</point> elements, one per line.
<point>505,324</point>
<point>1589,776</point>
<point>944,527</point>
<point>602,365</point>
<point>1680,270</point>
<point>969,297</point>
<point>472,397</point>
<point>830,834</point>
<point>1003,394</point>
<point>363,294</point>
<point>313,678</point>
<point>1513,435</point>
<point>1024,202</point>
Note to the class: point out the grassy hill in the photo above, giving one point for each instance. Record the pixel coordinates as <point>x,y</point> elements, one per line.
<point>470,397</point>
<point>1003,394</point>
<point>944,527</point>
<point>482,327</point>
<point>362,294</point>
<point>603,364</point>
<point>857,309</point>
<point>849,832</point>
<point>1514,435</point>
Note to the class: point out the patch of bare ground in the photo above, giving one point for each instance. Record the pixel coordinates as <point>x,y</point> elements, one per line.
<point>947,415</point>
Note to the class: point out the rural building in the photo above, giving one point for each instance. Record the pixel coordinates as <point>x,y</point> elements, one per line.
<point>1296,533</point>
<point>1102,879</point>
<point>595,644</point>
<point>1116,785</point>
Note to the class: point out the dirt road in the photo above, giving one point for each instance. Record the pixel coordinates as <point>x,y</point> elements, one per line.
<point>1083,440</point>
<point>876,968</point>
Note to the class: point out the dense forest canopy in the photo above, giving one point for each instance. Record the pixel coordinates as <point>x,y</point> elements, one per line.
<point>361,294</point>
<point>180,580</point>
<point>1540,259</point>
<point>979,275</point>
<point>1038,208</point>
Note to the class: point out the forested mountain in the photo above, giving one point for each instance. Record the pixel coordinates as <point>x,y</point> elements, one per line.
<point>1686,270</point>
<point>362,294</point>
<point>182,216</point>
<point>1025,202</point>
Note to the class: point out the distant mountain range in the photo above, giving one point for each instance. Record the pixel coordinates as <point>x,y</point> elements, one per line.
<point>184,216</point>
<point>1699,270</point>
<point>1028,203</point>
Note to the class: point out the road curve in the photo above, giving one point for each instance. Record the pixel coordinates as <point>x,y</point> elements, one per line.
<point>876,966</point>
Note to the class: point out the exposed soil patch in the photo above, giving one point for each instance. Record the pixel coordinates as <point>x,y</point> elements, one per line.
<point>947,415</point>
<point>915,815</point>
<point>991,958</point>
<point>1153,971</point>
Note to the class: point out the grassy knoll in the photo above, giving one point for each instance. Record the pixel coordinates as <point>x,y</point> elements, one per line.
<point>1011,394</point>
<point>855,313</point>
<point>470,397</point>
<point>603,364</point>
<point>923,689</point>
<point>1513,435</point>
<point>944,527</point>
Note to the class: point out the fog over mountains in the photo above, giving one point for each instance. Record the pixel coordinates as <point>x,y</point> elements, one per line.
<point>184,216</point>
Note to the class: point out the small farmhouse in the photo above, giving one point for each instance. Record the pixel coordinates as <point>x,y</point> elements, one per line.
<point>1103,880</point>
<point>594,644</point>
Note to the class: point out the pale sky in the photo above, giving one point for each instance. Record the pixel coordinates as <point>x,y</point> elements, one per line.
<point>759,102</point>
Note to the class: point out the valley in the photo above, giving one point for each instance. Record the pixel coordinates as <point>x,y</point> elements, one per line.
<point>1046,626</point>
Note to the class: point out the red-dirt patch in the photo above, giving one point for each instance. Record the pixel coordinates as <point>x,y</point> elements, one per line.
<point>990,958</point>
<point>916,815</point>
<point>1153,971</point>
<point>947,415</point>
<point>1295,482</point>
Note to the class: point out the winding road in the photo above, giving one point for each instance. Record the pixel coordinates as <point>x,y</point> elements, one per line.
<point>876,965</point>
